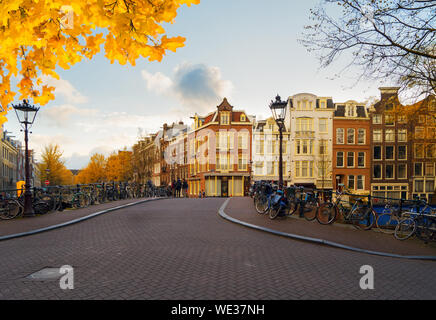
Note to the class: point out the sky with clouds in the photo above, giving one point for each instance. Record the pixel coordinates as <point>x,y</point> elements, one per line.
<point>245,50</point>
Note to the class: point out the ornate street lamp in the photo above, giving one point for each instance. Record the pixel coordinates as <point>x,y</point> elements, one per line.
<point>278,109</point>
<point>26,114</point>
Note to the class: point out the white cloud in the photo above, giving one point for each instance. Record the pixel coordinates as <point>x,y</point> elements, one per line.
<point>61,115</point>
<point>79,161</point>
<point>65,89</point>
<point>40,141</point>
<point>197,87</point>
<point>157,82</point>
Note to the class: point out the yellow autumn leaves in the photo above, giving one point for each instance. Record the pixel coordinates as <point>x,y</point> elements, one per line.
<point>37,36</point>
<point>116,167</point>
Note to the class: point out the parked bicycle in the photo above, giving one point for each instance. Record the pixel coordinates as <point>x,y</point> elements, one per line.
<point>419,222</point>
<point>360,215</point>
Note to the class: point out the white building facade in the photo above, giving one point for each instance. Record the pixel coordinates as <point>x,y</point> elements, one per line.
<point>266,152</point>
<point>309,120</point>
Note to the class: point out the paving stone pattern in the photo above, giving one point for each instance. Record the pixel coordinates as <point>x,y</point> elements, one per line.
<point>181,249</point>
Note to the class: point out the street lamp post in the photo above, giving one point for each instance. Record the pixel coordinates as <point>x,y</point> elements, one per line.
<point>26,114</point>
<point>278,109</point>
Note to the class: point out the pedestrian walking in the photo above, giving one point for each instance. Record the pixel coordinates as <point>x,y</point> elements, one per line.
<point>178,188</point>
<point>185,188</point>
<point>173,188</point>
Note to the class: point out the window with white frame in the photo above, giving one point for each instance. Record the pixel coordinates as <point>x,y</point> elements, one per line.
<point>429,169</point>
<point>225,118</point>
<point>419,150</point>
<point>350,159</point>
<point>402,171</point>
<point>419,132</point>
<point>389,171</point>
<point>402,135</point>
<point>259,146</point>
<point>389,153</point>
<point>361,159</point>
<point>351,182</point>
<point>361,135</point>
<point>418,169</point>
<point>377,153</point>
<point>377,135</point>
<point>323,125</point>
<point>243,140</point>
<point>350,136</point>
<point>360,182</point>
<point>402,152</point>
<point>258,169</point>
<point>339,159</point>
<point>340,135</point>
<point>390,135</point>
<point>304,124</point>
<point>430,150</point>
<point>377,119</point>
<point>242,162</point>
<point>323,147</point>
<point>323,104</point>
<point>377,171</point>
<point>389,119</point>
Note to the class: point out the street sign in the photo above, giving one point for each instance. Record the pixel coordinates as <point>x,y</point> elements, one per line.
<point>47,182</point>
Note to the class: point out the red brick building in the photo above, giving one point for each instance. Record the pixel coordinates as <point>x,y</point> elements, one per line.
<point>351,147</point>
<point>219,153</point>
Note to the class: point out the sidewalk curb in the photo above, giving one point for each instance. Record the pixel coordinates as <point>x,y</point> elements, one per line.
<point>64,224</point>
<point>315,240</point>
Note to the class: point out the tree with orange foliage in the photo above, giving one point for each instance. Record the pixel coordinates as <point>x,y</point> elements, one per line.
<point>38,36</point>
<point>52,160</point>
<point>119,166</point>
<point>95,171</point>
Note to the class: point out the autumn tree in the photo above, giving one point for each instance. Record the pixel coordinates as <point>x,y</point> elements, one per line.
<point>95,171</point>
<point>119,166</point>
<point>393,40</point>
<point>52,160</point>
<point>38,36</point>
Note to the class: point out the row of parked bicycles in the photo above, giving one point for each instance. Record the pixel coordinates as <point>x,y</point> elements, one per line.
<point>402,218</point>
<point>59,198</point>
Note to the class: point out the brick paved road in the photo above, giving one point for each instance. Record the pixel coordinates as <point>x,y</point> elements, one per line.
<point>21,224</point>
<point>181,249</point>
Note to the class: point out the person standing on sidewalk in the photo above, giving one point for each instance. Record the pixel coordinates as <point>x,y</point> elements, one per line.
<point>185,188</point>
<point>178,187</point>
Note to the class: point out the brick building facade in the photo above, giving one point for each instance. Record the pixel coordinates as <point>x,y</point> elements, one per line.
<point>351,147</point>
<point>219,153</point>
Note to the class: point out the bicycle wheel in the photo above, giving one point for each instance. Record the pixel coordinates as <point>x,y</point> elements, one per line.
<point>310,210</point>
<point>292,207</point>
<point>261,204</point>
<point>85,201</point>
<point>326,213</point>
<point>76,203</point>
<point>9,209</point>
<point>50,200</point>
<point>41,207</point>
<point>425,229</point>
<point>386,222</point>
<point>405,229</point>
<point>273,213</point>
<point>363,218</point>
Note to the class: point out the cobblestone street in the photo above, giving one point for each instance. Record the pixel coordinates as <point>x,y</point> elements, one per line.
<point>182,249</point>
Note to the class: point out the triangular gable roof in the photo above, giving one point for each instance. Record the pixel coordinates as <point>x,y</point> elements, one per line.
<point>225,106</point>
